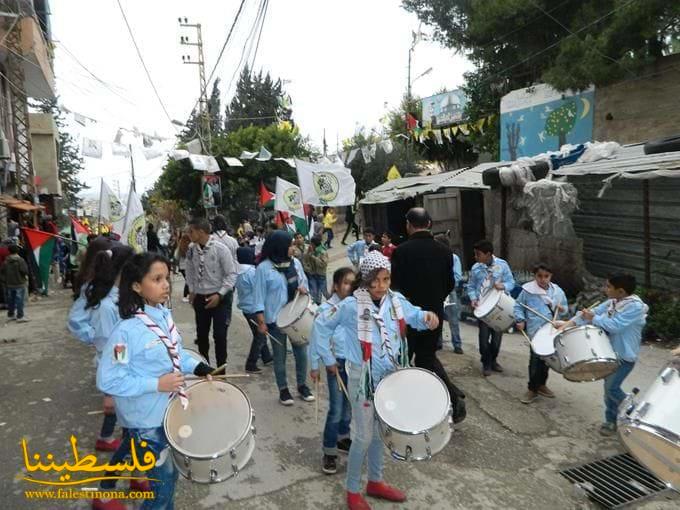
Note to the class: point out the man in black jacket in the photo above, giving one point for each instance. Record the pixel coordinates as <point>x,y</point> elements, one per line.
<point>422,270</point>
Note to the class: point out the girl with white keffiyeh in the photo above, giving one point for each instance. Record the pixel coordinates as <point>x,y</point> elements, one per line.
<point>372,323</point>
<point>142,366</point>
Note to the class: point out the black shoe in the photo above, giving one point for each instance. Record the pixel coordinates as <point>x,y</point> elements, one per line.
<point>253,370</point>
<point>196,341</point>
<point>344,445</point>
<point>458,350</point>
<point>496,367</point>
<point>486,371</point>
<point>285,397</point>
<point>343,243</point>
<point>305,394</point>
<point>330,466</point>
<point>268,362</point>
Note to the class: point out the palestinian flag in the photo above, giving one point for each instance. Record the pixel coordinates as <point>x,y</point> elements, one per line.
<point>266,197</point>
<point>42,245</point>
<point>79,233</point>
<point>293,223</point>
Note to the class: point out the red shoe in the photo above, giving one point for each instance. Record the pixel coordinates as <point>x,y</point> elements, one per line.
<point>140,485</point>
<point>356,501</point>
<point>111,504</point>
<point>107,446</point>
<point>383,491</point>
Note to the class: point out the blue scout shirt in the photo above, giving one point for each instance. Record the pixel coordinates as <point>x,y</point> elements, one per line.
<point>356,251</point>
<point>341,323</point>
<point>457,271</point>
<point>554,294</point>
<point>132,379</point>
<point>245,289</point>
<point>623,324</point>
<point>326,349</point>
<point>498,272</point>
<point>271,289</point>
<point>79,319</point>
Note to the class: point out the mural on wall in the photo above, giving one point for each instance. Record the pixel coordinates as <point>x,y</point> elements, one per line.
<point>541,119</point>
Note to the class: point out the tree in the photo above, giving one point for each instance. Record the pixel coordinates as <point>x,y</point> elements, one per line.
<point>215,109</point>
<point>567,44</point>
<point>561,121</point>
<point>69,160</point>
<point>259,101</point>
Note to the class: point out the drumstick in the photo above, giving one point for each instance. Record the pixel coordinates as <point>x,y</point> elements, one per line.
<point>297,295</point>
<point>342,385</point>
<point>222,367</point>
<point>316,402</point>
<point>267,333</point>
<point>223,376</point>
<point>526,336</point>
<point>546,319</point>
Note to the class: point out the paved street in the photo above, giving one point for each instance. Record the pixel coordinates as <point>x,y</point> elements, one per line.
<point>505,454</point>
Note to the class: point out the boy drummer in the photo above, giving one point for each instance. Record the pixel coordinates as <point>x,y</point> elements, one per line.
<point>622,316</point>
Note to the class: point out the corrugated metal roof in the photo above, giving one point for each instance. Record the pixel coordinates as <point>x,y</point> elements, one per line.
<point>629,159</point>
<point>407,187</point>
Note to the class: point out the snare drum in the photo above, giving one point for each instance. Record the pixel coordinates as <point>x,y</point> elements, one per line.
<point>297,322</point>
<point>496,309</point>
<point>198,357</point>
<point>650,425</point>
<point>585,354</point>
<point>543,344</point>
<point>413,407</point>
<point>214,438</point>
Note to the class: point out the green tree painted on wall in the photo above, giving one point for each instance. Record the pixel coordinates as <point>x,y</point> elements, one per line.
<point>561,121</point>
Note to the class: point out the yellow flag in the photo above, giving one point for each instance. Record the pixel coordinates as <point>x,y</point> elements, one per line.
<point>454,130</point>
<point>464,129</point>
<point>480,125</point>
<point>393,173</point>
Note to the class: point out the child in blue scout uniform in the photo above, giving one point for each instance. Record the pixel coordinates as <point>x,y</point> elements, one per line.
<point>277,278</point>
<point>548,299</point>
<point>622,316</point>
<point>245,289</point>
<point>489,272</point>
<point>358,323</point>
<point>331,352</point>
<point>143,362</point>
<point>358,250</point>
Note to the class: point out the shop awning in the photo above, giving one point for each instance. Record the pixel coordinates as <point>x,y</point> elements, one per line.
<point>21,205</point>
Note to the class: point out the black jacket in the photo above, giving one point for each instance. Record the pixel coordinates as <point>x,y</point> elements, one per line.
<point>422,270</point>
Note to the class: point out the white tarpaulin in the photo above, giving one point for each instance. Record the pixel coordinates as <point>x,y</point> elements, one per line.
<point>289,198</point>
<point>325,184</point>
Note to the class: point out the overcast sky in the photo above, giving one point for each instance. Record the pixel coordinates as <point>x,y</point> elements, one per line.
<point>345,62</point>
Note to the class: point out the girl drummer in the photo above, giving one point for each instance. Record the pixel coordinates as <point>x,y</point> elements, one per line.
<point>278,278</point>
<point>372,324</point>
<point>142,362</point>
<point>331,352</point>
<point>548,299</point>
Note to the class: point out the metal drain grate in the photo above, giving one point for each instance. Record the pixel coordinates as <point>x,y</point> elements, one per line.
<point>616,481</point>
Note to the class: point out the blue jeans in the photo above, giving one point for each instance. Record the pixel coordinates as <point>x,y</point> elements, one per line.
<point>317,287</point>
<point>118,456</point>
<point>164,470</point>
<point>279,350</point>
<point>453,318</point>
<point>15,301</point>
<point>339,412</point>
<point>613,394</point>
<point>366,439</point>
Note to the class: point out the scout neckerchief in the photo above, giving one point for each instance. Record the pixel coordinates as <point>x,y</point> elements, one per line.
<point>171,346</point>
<point>547,296</point>
<point>617,305</point>
<point>365,320</point>
<point>489,280</point>
<point>201,256</point>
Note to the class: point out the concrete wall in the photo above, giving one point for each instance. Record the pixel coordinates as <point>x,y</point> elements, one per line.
<point>640,109</point>
<point>44,153</point>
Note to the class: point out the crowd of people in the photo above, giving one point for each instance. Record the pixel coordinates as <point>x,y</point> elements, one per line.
<point>383,311</point>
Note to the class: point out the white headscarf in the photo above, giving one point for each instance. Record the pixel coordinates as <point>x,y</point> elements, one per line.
<point>374,260</point>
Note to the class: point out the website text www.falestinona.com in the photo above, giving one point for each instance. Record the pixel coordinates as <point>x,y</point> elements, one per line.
<point>63,493</point>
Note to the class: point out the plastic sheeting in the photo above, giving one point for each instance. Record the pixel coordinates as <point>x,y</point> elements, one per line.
<point>549,205</point>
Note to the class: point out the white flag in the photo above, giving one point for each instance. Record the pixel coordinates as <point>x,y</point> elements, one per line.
<point>110,206</point>
<point>134,233</point>
<point>264,155</point>
<point>324,184</point>
<point>92,148</point>
<point>289,198</point>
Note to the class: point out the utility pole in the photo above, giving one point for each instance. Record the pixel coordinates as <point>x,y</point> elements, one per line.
<point>133,183</point>
<point>325,145</point>
<point>203,127</point>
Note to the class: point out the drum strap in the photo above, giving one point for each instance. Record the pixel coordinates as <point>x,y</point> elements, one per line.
<point>171,346</point>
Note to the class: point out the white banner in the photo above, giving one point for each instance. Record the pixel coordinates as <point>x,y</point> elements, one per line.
<point>289,198</point>
<point>324,184</point>
<point>134,233</point>
<point>110,206</point>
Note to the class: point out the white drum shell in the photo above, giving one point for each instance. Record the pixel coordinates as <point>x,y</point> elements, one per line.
<point>221,465</point>
<point>497,310</point>
<point>585,353</point>
<point>543,344</point>
<point>412,445</point>
<point>649,425</point>
<point>298,325</point>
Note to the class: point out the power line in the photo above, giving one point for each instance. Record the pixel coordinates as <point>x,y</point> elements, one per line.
<point>146,70</point>
<point>259,36</point>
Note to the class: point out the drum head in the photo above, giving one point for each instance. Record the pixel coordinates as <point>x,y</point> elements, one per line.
<point>412,400</point>
<point>659,454</point>
<point>289,315</point>
<point>194,354</point>
<point>217,419</point>
<point>592,370</point>
<point>543,342</point>
<point>487,303</point>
